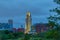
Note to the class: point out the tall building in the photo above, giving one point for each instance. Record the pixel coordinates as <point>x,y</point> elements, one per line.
<point>10,22</point>
<point>28,23</point>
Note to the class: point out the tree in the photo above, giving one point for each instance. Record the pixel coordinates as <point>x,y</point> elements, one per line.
<point>27,37</point>
<point>6,32</point>
<point>20,34</point>
<point>54,21</point>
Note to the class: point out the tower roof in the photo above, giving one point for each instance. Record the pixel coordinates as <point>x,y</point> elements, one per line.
<point>28,13</point>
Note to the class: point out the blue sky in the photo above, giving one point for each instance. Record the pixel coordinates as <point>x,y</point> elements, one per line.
<point>17,9</point>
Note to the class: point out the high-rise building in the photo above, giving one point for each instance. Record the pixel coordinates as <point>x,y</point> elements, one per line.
<point>28,23</point>
<point>10,22</point>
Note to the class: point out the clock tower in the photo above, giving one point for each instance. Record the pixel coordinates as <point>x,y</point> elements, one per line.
<point>28,23</point>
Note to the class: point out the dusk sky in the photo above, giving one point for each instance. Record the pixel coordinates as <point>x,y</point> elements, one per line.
<point>17,9</point>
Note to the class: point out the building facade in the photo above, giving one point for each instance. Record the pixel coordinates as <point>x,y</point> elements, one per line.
<point>20,30</point>
<point>40,27</point>
<point>10,23</point>
<point>28,23</point>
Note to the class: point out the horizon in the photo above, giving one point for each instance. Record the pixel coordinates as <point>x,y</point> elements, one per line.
<point>17,9</point>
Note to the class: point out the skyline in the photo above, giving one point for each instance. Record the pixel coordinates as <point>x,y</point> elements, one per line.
<point>17,9</point>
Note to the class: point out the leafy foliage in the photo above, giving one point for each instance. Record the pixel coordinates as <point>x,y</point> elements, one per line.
<point>57,1</point>
<point>54,21</point>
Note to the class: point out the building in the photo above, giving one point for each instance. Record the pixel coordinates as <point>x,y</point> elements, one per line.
<point>6,26</point>
<point>10,23</point>
<point>20,29</point>
<point>28,23</point>
<point>14,30</point>
<point>40,27</point>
